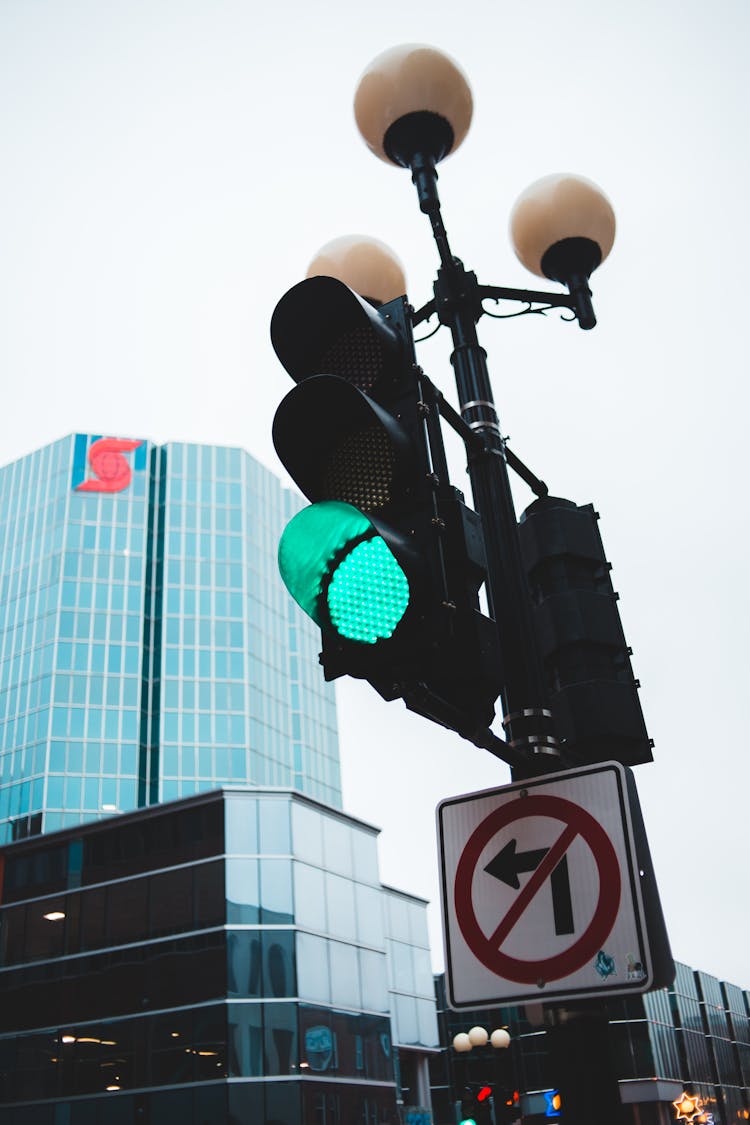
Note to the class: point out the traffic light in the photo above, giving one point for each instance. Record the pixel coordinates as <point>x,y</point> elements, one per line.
<point>468,1107</point>
<point>387,560</point>
<point>507,1106</point>
<point>476,1106</point>
<point>593,695</point>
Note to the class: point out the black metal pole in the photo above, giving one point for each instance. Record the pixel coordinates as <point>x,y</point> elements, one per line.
<point>578,1039</point>
<point>526,718</point>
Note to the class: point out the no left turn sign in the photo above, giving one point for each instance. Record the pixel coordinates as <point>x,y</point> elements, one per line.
<point>574,821</point>
<point>541,895</point>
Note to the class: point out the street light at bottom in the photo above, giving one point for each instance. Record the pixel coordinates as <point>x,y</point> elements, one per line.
<point>483,1103</point>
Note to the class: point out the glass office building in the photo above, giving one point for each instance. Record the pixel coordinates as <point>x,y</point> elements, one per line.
<point>148,649</point>
<point>231,957</point>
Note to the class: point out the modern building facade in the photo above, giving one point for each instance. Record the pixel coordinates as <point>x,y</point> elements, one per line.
<point>693,1037</point>
<point>191,929</point>
<point>231,957</point>
<point>148,649</point>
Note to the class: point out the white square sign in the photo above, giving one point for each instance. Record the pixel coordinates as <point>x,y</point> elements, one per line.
<point>541,891</point>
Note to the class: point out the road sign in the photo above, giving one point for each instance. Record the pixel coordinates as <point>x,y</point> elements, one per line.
<point>543,895</point>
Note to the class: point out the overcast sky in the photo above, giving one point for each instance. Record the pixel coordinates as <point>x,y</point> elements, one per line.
<point>169,168</point>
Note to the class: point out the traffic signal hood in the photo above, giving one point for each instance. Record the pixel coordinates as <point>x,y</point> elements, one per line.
<point>388,560</point>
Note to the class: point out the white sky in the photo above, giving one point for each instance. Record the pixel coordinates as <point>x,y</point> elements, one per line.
<point>171,166</point>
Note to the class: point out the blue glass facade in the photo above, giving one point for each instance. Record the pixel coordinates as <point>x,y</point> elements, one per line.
<point>148,649</point>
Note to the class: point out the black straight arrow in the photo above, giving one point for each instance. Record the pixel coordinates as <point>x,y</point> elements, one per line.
<point>561,901</point>
<point>508,865</point>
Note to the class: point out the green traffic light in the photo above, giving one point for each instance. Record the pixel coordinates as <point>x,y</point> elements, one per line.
<point>467,1121</point>
<point>368,593</point>
<point>342,573</point>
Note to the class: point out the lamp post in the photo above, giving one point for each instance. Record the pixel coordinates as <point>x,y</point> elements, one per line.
<point>388,560</point>
<point>413,107</point>
<point>483,1095</point>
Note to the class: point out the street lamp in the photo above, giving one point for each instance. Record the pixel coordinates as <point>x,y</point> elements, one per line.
<point>465,1041</point>
<point>393,576</point>
<point>366,265</point>
<point>476,1098</point>
<point>413,107</point>
<point>388,560</point>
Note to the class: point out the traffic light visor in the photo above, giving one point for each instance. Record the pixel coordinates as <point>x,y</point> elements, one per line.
<point>338,444</point>
<point>321,327</point>
<point>342,573</point>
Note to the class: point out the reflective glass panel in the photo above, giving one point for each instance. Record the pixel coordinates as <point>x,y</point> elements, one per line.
<point>276,891</point>
<point>313,977</point>
<point>345,988</point>
<point>243,891</point>
<point>309,897</point>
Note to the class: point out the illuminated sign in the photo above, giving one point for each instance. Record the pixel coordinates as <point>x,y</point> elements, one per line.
<point>554,1102</point>
<point>688,1107</point>
<point>110,470</point>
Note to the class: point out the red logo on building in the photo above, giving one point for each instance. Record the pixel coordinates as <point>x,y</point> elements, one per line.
<point>112,473</point>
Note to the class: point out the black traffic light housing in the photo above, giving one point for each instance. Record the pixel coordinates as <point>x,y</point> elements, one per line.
<point>476,1104</point>
<point>507,1106</point>
<point>593,694</point>
<point>361,429</point>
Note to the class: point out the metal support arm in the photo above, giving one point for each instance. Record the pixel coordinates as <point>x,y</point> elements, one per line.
<point>498,293</point>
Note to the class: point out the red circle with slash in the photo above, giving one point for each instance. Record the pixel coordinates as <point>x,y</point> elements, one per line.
<point>488,949</point>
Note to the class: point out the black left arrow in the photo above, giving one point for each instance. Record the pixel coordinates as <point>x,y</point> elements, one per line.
<point>508,864</point>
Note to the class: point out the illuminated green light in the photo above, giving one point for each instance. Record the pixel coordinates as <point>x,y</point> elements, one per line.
<point>331,558</point>
<point>368,594</point>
